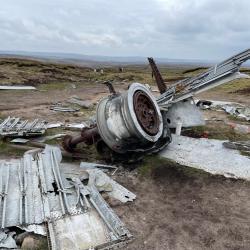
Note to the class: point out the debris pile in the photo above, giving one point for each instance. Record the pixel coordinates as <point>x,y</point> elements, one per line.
<point>10,87</point>
<point>239,145</point>
<point>14,127</point>
<point>36,191</point>
<point>232,108</point>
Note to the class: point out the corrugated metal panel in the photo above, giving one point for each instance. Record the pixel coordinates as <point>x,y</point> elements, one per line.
<point>33,190</point>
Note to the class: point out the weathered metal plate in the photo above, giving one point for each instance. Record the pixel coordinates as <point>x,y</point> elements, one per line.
<point>35,190</point>
<point>208,155</point>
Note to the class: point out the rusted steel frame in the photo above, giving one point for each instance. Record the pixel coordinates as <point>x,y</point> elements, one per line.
<point>88,135</point>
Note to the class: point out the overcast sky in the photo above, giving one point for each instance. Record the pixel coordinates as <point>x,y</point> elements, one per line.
<point>188,29</point>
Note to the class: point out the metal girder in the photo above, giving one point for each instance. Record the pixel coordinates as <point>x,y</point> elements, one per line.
<point>221,73</point>
<point>158,78</point>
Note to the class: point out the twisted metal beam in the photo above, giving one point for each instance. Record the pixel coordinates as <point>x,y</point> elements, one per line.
<point>221,73</point>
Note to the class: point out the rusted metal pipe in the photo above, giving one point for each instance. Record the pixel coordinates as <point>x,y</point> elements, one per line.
<point>158,78</point>
<point>88,135</point>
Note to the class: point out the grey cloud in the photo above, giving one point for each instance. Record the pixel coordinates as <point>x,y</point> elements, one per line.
<point>207,29</point>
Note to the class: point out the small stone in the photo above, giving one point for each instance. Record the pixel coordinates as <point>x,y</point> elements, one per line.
<point>29,242</point>
<point>34,242</point>
<point>20,237</point>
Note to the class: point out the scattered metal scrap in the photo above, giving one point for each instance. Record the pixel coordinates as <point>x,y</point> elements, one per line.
<point>90,165</point>
<point>104,183</point>
<point>76,126</point>
<point>239,145</point>
<point>6,240</point>
<point>54,125</point>
<point>232,108</point>
<point>34,190</point>
<point>19,140</point>
<point>243,113</point>
<point>15,127</point>
<point>63,108</point>
<point>9,87</point>
<point>48,137</point>
<point>72,126</point>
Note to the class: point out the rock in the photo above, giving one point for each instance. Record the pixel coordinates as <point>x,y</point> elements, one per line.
<point>35,242</point>
<point>20,237</point>
<point>29,242</point>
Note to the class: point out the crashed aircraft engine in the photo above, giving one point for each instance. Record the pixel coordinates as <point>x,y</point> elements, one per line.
<point>137,123</point>
<point>130,120</point>
<point>127,122</point>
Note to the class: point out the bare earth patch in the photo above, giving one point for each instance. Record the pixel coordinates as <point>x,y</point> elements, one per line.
<point>185,209</point>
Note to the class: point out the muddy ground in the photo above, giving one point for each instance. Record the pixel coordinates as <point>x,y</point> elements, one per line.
<point>185,209</point>
<point>176,207</point>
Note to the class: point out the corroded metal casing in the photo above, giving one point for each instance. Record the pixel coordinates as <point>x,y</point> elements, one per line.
<point>128,120</point>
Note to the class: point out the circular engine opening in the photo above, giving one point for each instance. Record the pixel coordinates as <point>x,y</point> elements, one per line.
<point>146,112</point>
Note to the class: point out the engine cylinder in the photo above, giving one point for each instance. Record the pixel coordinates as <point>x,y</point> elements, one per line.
<point>129,120</point>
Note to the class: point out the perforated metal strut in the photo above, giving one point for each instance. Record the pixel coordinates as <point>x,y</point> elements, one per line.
<point>88,135</point>
<point>221,73</point>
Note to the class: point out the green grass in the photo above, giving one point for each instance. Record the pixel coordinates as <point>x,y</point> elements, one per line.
<point>233,86</point>
<point>24,71</point>
<point>6,150</point>
<point>154,165</point>
<point>54,86</point>
<point>245,153</point>
<point>2,116</point>
<point>215,132</point>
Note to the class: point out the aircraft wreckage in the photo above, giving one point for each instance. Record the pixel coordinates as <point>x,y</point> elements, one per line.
<point>136,123</point>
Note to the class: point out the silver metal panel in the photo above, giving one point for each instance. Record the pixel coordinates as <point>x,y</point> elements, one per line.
<point>186,113</point>
<point>34,190</point>
<point>103,182</point>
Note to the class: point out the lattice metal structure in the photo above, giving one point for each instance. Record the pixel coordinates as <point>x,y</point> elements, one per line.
<point>15,126</point>
<point>221,73</point>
